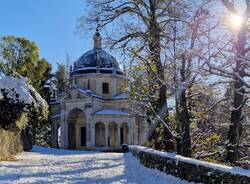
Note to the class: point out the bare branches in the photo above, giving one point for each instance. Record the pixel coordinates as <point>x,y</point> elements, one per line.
<point>178,47</point>
<point>229,5</point>
<point>203,155</point>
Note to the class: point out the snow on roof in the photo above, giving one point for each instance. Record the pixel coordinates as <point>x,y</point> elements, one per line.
<point>225,168</point>
<point>88,92</point>
<point>18,88</point>
<point>55,116</point>
<point>95,68</point>
<point>96,58</point>
<point>122,95</point>
<point>111,112</point>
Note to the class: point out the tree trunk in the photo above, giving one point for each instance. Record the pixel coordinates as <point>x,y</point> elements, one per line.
<point>183,127</point>
<point>155,56</point>
<point>235,126</point>
<point>155,53</point>
<point>183,117</point>
<point>234,132</point>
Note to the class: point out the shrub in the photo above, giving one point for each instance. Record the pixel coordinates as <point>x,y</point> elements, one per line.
<point>17,100</point>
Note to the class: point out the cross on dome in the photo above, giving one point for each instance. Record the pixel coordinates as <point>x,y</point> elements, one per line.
<point>97,36</point>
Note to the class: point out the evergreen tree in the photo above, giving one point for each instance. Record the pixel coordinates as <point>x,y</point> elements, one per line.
<point>11,111</point>
<point>61,79</point>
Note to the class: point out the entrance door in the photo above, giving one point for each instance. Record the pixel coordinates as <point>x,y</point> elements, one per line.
<point>122,135</point>
<point>72,138</point>
<point>83,136</point>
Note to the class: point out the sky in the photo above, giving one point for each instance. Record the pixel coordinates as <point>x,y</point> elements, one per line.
<point>51,24</point>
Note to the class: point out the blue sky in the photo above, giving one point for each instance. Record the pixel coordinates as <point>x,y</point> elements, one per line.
<point>49,23</point>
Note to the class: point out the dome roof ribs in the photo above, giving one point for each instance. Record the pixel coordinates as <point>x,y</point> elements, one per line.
<point>96,60</point>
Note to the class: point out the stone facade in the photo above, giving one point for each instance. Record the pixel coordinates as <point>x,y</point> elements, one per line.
<point>95,112</point>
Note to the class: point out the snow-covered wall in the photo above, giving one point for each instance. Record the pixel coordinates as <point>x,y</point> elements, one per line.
<point>190,169</point>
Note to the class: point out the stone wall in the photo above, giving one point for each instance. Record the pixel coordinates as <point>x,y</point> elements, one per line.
<point>190,169</point>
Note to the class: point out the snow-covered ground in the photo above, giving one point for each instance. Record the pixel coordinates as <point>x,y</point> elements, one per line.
<point>44,165</point>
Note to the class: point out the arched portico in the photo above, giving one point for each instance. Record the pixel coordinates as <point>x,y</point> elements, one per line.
<point>76,129</point>
<point>100,134</point>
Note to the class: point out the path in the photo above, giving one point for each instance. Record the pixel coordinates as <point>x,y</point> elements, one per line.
<point>45,165</point>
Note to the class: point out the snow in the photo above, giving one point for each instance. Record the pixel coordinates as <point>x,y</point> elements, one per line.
<point>111,112</point>
<point>123,95</point>
<point>90,57</point>
<point>92,94</point>
<point>46,165</point>
<point>88,92</point>
<point>55,116</point>
<point>1,75</point>
<point>95,68</point>
<point>171,102</point>
<point>233,170</point>
<point>19,86</point>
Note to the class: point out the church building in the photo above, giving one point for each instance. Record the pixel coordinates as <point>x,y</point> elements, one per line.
<point>95,113</point>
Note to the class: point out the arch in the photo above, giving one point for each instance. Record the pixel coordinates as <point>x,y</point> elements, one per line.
<point>76,129</point>
<point>113,134</point>
<point>124,133</point>
<point>99,134</point>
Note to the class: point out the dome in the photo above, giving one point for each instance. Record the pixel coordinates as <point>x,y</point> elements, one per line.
<point>97,60</point>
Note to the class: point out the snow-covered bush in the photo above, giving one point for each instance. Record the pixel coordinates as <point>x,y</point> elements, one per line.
<point>19,89</point>
<point>17,99</point>
<point>10,142</point>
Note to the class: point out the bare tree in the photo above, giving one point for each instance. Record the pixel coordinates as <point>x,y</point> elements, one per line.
<point>192,33</point>
<point>143,28</point>
<point>235,67</point>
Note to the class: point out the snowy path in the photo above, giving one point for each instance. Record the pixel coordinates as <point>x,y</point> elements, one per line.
<point>60,166</point>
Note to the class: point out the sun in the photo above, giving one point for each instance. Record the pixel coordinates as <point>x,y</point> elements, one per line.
<point>235,21</point>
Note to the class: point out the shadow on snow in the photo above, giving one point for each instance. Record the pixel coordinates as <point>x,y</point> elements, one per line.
<point>133,172</point>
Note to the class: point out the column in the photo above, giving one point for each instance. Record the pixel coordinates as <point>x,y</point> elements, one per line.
<point>119,135</point>
<point>88,124</point>
<point>106,134</point>
<point>64,127</point>
<point>93,135</point>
